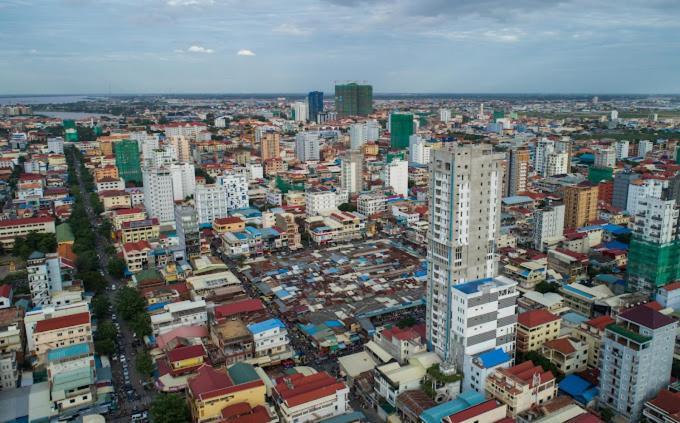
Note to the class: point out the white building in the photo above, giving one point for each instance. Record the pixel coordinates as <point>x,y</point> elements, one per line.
<point>181,148</point>
<point>318,201</point>
<point>307,146</point>
<point>158,193</point>
<point>352,172</point>
<point>9,370</point>
<point>465,208</point>
<point>655,220</point>
<point>271,342</point>
<point>445,115</point>
<point>614,116</point>
<point>544,147</point>
<point>236,186</point>
<point>55,145</point>
<point>179,314</point>
<point>315,397</point>
<point>211,202</point>
<point>220,122</point>
<point>478,367</point>
<point>396,176</point>
<point>641,189</point>
<point>44,277</point>
<point>645,147</point>
<point>301,111</point>
<point>371,203</point>
<point>418,150</point>
<point>556,164</point>
<point>255,171</point>
<point>548,226</point>
<point>357,135</point>
<point>183,180</point>
<point>622,147</point>
<point>606,156</point>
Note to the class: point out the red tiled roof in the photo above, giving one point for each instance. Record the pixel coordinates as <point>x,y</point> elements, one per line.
<point>672,286</point>
<point>525,372</point>
<point>534,318</point>
<point>136,246</point>
<point>227,220</point>
<point>62,322</point>
<point>128,211</point>
<point>669,402</point>
<point>5,290</point>
<point>400,334</point>
<point>585,418</point>
<point>186,352</point>
<point>298,389</point>
<point>474,411</point>
<point>646,317</point>
<point>209,380</point>
<point>600,322</point>
<point>243,413</point>
<point>25,221</point>
<point>113,193</point>
<point>653,305</point>
<point>561,345</point>
<point>244,306</point>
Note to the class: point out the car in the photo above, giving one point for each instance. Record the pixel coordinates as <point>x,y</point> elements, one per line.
<point>114,317</point>
<point>113,286</point>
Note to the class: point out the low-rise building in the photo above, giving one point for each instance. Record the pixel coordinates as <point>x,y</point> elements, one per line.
<point>392,379</point>
<point>336,227</point>
<point>72,377</point>
<point>521,387</point>
<point>12,228</point>
<point>182,313</point>
<point>480,366</point>
<point>59,332</point>
<point>186,358</point>
<point>115,199</point>
<point>137,255</point>
<point>139,230</point>
<point>272,344</point>
<point>591,333</point>
<point>580,298</point>
<point>568,354</point>
<point>534,328</point>
<point>571,265</point>
<point>310,398</point>
<point>401,344</point>
<point>233,339</point>
<point>118,217</point>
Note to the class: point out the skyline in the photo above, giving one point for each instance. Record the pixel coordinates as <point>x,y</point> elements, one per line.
<point>209,46</point>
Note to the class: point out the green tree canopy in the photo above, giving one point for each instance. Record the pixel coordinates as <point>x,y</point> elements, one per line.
<point>144,364</point>
<point>116,267</point>
<point>129,303</point>
<point>169,408</point>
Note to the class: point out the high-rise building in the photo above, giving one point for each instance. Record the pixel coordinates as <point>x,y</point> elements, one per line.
<point>307,146</point>
<point>517,173</point>
<point>645,147</point>
<point>605,157</point>
<point>396,177</point>
<point>556,164</point>
<point>158,193</point>
<point>211,203</point>
<point>353,100</point>
<point>236,186</point>
<point>55,145</point>
<point>44,277</point>
<point>357,135</point>
<point>401,128</point>
<point>352,172</point>
<point>622,181</point>
<point>418,150</point>
<point>548,226</point>
<point>465,207</point>
<point>614,115</point>
<point>580,202</point>
<point>621,147</point>
<point>269,145</point>
<point>300,111</point>
<point>636,360</point>
<point>445,115</point>
<point>181,148</point>
<point>186,224</point>
<point>127,161</point>
<point>314,104</point>
<point>544,147</point>
<point>183,180</point>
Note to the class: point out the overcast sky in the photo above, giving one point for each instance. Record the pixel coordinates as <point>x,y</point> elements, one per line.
<point>257,46</point>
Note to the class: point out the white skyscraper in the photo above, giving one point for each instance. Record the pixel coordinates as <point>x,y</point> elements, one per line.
<point>445,115</point>
<point>465,207</point>
<point>301,111</point>
<point>351,172</point>
<point>548,226</point>
<point>211,202</point>
<point>158,193</point>
<point>645,147</point>
<point>357,135</point>
<point>372,130</point>
<point>556,164</point>
<point>396,176</point>
<point>55,145</point>
<point>307,146</point>
<point>605,156</point>
<point>544,147</point>
<point>418,150</point>
<point>622,147</point>
<point>236,186</point>
<point>183,180</point>
<point>147,146</point>
<point>614,115</point>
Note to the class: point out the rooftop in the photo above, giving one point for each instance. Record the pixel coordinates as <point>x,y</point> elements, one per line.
<point>298,389</point>
<point>534,318</point>
<point>647,317</point>
<point>473,287</point>
<point>62,322</point>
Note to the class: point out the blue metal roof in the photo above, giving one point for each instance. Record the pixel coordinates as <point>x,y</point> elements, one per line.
<point>578,388</point>
<point>517,199</point>
<point>74,350</point>
<point>266,325</point>
<point>493,358</point>
<point>464,401</point>
<point>577,291</point>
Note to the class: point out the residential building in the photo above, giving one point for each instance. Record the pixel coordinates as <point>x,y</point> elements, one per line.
<point>212,390</point>
<point>521,387</point>
<point>396,177</point>
<point>118,217</point>
<point>137,255</point>
<point>182,313</point>
<point>548,226</point>
<point>271,342</point>
<point>353,100</point>
<point>637,356</point>
<point>139,230</point>
<point>307,146</point>
<point>318,201</point>
<point>622,181</point>
<point>44,277</point>
<point>186,225</point>
<point>315,397</point>
<point>233,339</point>
<point>71,372</point>
<point>108,184</point>
<point>115,199</point>
<point>336,227</point>
<point>534,328</point>
<point>270,145</point>
<point>517,173</point>
<point>9,371</point>
<point>128,161</point>
<point>464,208</point>
<point>478,367</point>
<point>401,129</point>
<point>571,265</point>
<point>236,186</point>
<point>183,180</point>
<point>580,202</point>
<point>581,298</point>
<point>58,332</point>
<point>181,148</point>
<point>591,332</point>
<point>392,379</point>
<point>300,111</point>
<point>370,203</point>
<point>159,193</point>
<point>10,229</point>
<point>556,164</point>
<point>419,151</point>
<point>621,147</point>
<point>55,145</point>
<point>445,115</point>
<point>605,157</point>
<point>567,353</point>
<point>211,203</point>
<point>645,147</point>
<point>663,408</point>
<point>352,172</point>
<point>315,104</point>
<point>401,343</point>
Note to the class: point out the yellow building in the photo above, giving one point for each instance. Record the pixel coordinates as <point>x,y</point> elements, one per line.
<point>115,199</point>
<point>106,172</point>
<point>186,359</point>
<point>567,353</point>
<point>580,205</point>
<point>12,228</point>
<point>229,224</point>
<point>370,149</point>
<point>212,390</point>
<point>126,215</point>
<point>591,333</point>
<point>59,332</point>
<point>140,230</point>
<point>535,327</point>
<point>521,387</point>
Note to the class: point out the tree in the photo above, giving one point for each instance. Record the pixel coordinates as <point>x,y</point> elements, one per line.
<point>45,243</point>
<point>105,229</point>
<point>141,325</point>
<point>104,346</point>
<point>607,414</point>
<point>144,364</point>
<point>116,267</point>
<point>129,303</point>
<point>93,281</point>
<point>169,408</point>
<point>347,207</point>
<point>103,339</point>
<point>544,287</point>
<point>100,306</point>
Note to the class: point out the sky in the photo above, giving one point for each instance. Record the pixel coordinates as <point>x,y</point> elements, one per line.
<point>294,46</point>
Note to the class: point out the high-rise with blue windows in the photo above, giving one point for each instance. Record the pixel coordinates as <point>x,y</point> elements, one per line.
<point>315,104</point>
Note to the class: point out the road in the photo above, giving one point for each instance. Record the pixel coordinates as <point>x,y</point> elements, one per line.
<point>141,398</point>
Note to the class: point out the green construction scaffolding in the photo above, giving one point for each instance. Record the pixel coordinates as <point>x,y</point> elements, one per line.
<point>284,186</point>
<point>657,264</point>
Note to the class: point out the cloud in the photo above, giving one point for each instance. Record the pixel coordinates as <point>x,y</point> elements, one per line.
<point>181,3</point>
<point>245,52</point>
<point>33,51</point>
<point>291,29</point>
<point>200,49</point>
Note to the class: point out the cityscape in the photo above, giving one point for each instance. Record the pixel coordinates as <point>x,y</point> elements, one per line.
<point>389,211</point>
